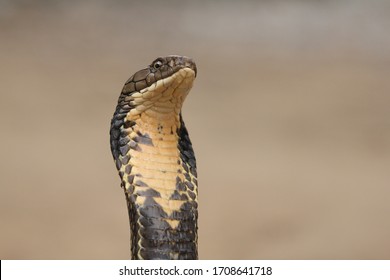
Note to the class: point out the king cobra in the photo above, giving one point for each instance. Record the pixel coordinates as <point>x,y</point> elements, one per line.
<point>155,160</point>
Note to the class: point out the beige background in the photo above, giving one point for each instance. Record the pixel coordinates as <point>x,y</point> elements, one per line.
<point>289,118</point>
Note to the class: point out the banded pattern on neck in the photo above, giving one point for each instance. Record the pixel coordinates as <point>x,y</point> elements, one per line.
<point>155,160</point>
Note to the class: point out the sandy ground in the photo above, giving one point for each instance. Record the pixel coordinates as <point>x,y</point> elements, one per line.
<point>289,118</point>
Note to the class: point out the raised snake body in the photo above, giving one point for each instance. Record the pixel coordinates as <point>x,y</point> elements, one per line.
<point>155,160</point>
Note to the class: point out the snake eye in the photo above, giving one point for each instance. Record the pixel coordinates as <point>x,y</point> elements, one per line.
<point>157,64</point>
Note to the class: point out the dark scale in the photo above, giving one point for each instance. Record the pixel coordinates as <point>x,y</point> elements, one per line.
<point>187,176</point>
<point>144,139</point>
<point>180,185</point>
<point>130,179</point>
<point>128,169</point>
<point>189,185</point>
<point>192,195</point>
<point>125,159</point>
<point>185,167</point>
<point>123,141</point>
<point>124,149</point>
<point>148,192</point>
<point>177,196</point>
<point>140,183</point>
<point>128,124</point>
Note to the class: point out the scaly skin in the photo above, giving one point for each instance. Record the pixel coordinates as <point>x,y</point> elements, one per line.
<point>156,162</point>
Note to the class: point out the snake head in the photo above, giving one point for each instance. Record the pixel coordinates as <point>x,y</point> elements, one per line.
<point>171,64</point>
<point>161,68</point>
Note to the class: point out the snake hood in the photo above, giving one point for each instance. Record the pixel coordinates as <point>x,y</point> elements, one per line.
<point>155,160</point>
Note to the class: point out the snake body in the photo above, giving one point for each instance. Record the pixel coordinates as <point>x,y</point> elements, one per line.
<point>155,159</point>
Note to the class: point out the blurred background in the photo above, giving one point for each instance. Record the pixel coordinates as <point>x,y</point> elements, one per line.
<point>289,118</point>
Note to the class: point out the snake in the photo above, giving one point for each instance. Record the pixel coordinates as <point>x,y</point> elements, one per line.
<point>155,160</point>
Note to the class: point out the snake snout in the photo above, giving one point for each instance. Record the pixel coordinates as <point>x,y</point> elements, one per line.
<point>184,61</point>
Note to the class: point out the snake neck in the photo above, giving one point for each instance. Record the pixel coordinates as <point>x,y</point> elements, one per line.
<point>160,184</point>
